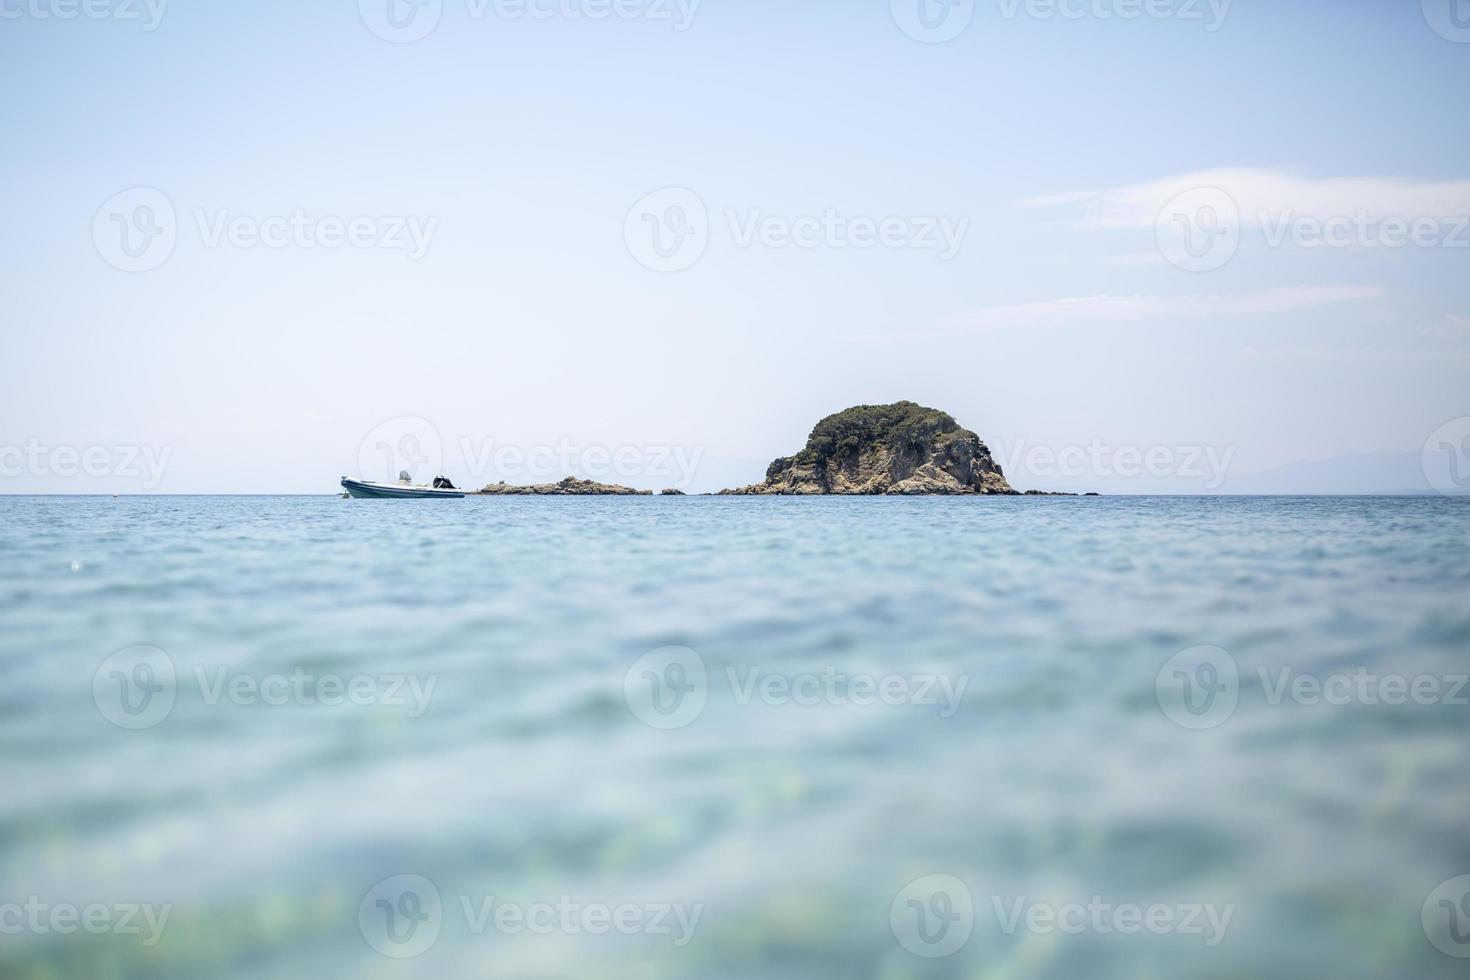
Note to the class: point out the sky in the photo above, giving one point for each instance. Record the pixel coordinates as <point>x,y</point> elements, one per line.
<point>1174,244</point>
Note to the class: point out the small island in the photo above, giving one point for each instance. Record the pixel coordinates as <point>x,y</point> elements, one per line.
<point>902,448</point>
<point>570,486</point>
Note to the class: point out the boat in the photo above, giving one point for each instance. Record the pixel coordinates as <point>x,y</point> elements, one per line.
<point>403,489</point>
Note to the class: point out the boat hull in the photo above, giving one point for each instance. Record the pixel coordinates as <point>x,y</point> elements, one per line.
<point>388,491</point>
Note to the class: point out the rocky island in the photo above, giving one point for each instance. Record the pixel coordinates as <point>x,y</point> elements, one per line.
<point>571,486</point>
<point>902,448</point>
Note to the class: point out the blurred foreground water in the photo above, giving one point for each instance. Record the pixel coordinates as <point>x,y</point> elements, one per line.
<point>721,738</point>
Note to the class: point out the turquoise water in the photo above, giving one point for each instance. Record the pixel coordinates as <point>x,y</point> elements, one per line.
<point>753,737</point>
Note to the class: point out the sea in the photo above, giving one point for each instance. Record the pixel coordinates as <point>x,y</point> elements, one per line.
<point>756,737</point>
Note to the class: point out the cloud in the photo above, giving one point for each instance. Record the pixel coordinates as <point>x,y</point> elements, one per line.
<point>1260,193</point>
<point>1132,309</point>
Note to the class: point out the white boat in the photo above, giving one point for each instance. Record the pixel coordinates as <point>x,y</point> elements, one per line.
<point>403,489</point>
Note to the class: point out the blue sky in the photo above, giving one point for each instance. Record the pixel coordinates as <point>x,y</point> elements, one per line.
<point>501,167</point>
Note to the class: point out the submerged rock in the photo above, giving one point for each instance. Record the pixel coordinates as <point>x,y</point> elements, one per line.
<point>901,448</point>
<point>569,486</point>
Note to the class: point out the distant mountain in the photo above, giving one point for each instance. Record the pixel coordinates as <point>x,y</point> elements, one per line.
<point>1354,473</point>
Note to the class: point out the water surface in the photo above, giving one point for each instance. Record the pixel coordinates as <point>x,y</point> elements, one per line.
<point>784,800</point>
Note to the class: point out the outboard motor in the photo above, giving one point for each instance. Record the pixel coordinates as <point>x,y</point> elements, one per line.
<point>442,483</point>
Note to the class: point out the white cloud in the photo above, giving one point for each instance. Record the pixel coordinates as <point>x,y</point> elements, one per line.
<point>1259,192</point>
<point>1130,309</point>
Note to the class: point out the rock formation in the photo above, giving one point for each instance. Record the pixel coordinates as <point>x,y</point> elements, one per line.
<point>569,486</point>
<point>901,448</point>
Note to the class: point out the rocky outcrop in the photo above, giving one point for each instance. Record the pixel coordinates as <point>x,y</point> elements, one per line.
<point>571,486</point>
<point>671,492</point>
<point>901,448</point>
